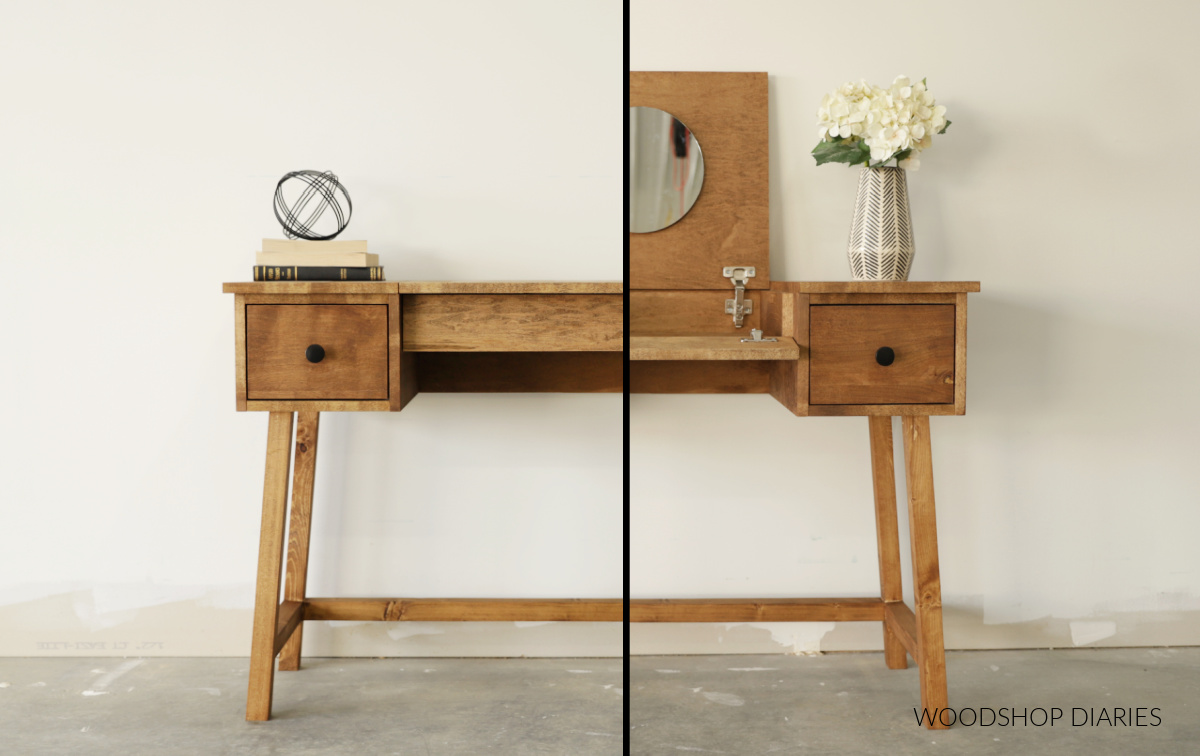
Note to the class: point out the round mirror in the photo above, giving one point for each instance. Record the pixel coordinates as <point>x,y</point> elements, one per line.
<point>666,169</point>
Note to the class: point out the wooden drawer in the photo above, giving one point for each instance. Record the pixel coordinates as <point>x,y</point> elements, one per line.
<point>355,340</point>
<point>844,340</point>
<point>513,323</point>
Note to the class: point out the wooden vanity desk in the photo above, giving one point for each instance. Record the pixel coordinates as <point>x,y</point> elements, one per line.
<point>303,348</point>
<point>878,349</point>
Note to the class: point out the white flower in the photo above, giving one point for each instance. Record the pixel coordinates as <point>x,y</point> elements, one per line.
<point>901,118</point>
<point>845,112</point>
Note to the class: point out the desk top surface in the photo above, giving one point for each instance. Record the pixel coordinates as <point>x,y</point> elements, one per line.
<point>574,287</point>
<point>424,287</point>
<point>876,287</point>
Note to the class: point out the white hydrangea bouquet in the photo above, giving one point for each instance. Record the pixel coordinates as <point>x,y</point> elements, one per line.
<point>862,124</point>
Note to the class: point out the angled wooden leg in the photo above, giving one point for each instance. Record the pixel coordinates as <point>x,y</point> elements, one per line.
<point>927,583</point>
<point>883,471</point>
<point>270,559</point>
<point>299,529</point>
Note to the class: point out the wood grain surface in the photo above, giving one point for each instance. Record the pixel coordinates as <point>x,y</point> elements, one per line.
<point>510,287</point>
<point>927,581</point>
<point>787,313</point>
<point>756,610</point>
<point>710,348</point>
<point>317,405</point>
<point>853,299</point>
<point>902,624</point>
<point>304,470</point>
<point>699,377</point>
<point>355,339</point>
<point>876,287</point>
<point>309,287</point>
<point>270,562</point>
<point>513,323</point>
<point>464,610</point>
<point>289,623</point>
<point>844,340</point>
<point>729,224</point>
<point>423,287</point>
<point>960,355</point>
<point>887,530</point>
<point>689,313</point>
<point>878,410</point>
<point>239,347</point>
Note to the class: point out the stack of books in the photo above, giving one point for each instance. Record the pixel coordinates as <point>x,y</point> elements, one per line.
<point>301,260</point>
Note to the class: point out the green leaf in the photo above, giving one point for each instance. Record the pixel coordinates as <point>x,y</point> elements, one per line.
<point>902,155</point>
<point>841,151</point>
<point>943,131</point>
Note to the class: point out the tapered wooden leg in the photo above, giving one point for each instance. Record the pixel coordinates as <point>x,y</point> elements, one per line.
<point>300,527</point>
<point>270,559</point>
<point>927,584</point>
<point>883,472</point>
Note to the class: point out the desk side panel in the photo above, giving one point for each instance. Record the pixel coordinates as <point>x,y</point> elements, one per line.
<point>787,314</point>
<point>402,371</point>
<point>239,341</point>
<point>960,355</point>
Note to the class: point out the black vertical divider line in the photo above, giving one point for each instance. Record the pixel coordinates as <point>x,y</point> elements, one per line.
<point>625,487</point>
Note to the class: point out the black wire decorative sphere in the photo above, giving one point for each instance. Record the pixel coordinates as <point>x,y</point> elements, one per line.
<point>302,199</point>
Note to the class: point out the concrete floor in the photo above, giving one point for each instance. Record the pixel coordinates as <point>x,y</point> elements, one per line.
<point>850,703</point>
<point>831,704</point>
<point>160,706</point>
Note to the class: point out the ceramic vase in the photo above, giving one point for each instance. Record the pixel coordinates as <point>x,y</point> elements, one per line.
<point>881,240</point>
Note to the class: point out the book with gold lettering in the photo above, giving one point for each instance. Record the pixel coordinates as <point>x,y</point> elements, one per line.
<point>317,273</point>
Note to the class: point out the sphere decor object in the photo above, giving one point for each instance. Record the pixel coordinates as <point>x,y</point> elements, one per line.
<point>881,239</point>
<point>302,199</point>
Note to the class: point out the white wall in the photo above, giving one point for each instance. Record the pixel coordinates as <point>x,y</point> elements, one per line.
<point>142,143</point>
<point>1068,498</point>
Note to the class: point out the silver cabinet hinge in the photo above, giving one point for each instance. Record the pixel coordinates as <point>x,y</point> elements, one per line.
<point>757,337</point>
<point>739,306</point>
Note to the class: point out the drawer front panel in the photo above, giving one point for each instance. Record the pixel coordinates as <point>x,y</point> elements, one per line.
<point>845,340</point>
<point>513,322</point>
<point>353,337</point>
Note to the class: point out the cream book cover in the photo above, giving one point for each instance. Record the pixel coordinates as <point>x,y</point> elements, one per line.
<point>342,259</point>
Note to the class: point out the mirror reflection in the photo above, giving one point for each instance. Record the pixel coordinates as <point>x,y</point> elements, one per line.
<point>666,169</point>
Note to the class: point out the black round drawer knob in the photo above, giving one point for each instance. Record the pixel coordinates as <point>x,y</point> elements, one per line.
<point>314,353</point>
<point>884,356</point>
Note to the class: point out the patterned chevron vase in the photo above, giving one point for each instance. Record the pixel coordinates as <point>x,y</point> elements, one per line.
<point>881,240</point>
